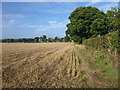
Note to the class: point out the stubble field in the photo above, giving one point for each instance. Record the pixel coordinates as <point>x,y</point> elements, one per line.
<point>46,65</point>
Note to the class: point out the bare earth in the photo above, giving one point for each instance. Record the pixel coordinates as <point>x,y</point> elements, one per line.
<point>42,65</point>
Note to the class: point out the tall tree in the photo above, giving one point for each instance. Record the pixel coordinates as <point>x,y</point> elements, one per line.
<point>86,22</point>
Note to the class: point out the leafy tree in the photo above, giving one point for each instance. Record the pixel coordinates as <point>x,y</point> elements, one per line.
<point>50,40</point>
<point>61,39</point>
<point>36,39</point>
<point>67,39</point>
<point>43,38</point>
<point>114,19</point>
<point>86,22</point>
<point>12,40</point>
<point>56,39</point>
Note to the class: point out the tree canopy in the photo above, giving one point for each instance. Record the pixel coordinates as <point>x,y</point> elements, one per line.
<point>86,22</point>
<point>113,16</point>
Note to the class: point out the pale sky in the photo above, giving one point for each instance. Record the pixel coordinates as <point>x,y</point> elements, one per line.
<point>31,19</point>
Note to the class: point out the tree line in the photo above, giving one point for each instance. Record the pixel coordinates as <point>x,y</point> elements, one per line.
<point>43,38</point>
<point>90,22</point>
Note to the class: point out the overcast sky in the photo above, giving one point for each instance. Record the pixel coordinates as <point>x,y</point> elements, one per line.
<point>31,19</point>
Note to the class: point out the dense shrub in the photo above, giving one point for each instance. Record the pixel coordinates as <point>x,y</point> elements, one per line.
<point>108,41</point>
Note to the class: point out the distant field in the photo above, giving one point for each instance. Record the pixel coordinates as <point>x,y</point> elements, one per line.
<point>43,65</point>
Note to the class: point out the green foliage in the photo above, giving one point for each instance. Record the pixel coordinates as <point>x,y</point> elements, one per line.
<point>86,22</point>
<point>18,40</point>
<point>50,40</point>
<point>67,39</point>
<point>108,41</point>
<point>56,39</point>
<point>43,38</point>
<point>102,63</point>
<point>36,39</point>
<point>113,15</point>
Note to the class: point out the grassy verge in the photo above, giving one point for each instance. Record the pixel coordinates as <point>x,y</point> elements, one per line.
<point>104,72</point>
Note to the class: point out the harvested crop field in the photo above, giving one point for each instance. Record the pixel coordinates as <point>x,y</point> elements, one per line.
<point>48,65</point>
